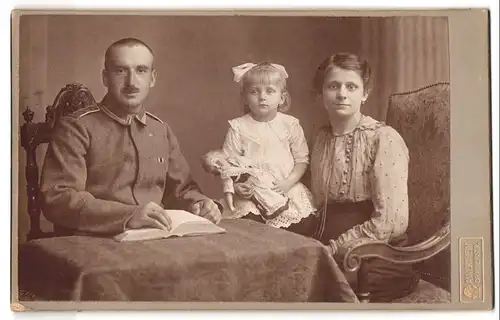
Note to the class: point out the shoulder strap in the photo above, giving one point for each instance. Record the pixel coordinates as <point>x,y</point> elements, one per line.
<point>85,111</point>
<point>153,116</point>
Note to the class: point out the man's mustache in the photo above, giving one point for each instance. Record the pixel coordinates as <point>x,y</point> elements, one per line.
<point>130,90</point>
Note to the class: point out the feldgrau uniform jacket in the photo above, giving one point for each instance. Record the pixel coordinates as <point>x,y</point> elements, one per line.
<point>100,168</point>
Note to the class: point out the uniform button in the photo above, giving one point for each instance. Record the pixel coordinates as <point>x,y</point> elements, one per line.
<point>345,171</point>
<point>347,160</point>
<point>342,192</point>
<point>344,181</point>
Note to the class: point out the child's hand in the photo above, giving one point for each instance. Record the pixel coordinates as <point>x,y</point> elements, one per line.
<point>283,186</point>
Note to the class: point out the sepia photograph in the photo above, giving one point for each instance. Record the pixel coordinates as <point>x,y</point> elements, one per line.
<point>243,158</point>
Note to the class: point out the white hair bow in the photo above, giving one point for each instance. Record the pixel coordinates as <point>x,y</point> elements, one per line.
<point>239,71</point>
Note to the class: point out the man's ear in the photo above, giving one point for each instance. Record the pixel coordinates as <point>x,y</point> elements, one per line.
<point>104,75</point>
<point>153,79</point>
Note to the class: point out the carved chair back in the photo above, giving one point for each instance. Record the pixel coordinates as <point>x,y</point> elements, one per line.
<point>70,98</point>
<point>422,117</point>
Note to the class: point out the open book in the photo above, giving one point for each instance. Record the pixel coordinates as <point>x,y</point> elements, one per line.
<point>184,223</point>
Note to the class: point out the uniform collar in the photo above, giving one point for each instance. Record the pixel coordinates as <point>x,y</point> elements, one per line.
<point>141,116</point>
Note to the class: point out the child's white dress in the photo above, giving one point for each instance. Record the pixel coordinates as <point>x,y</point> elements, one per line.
<point>275,146</point>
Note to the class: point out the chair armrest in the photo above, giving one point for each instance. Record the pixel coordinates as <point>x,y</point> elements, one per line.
<point>364,248</point>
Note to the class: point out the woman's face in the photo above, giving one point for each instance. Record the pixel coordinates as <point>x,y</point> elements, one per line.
<point>343,92</point>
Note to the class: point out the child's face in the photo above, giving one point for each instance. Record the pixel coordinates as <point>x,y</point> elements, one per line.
<point>263,99</point>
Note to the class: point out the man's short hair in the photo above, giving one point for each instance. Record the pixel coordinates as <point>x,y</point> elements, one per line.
<point>130,42</point>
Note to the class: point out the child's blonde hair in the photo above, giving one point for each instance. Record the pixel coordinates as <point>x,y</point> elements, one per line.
<point>265,72</point>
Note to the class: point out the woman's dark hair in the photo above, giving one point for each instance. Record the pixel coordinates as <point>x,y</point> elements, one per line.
<point>343,60</point>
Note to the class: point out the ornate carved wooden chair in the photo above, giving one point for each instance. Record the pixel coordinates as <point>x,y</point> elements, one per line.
<point>422,117</point>
<point>69,99</point>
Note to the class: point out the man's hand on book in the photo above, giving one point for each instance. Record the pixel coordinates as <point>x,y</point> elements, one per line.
<point>150,215</point>
<point>207,209</point>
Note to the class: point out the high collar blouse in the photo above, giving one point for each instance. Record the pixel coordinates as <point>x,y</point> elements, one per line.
<point>369,163</point>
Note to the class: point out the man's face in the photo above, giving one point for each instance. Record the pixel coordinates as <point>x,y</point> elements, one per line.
<point>129,76</point>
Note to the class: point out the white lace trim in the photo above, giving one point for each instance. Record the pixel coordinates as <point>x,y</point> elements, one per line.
<point>300,207</point>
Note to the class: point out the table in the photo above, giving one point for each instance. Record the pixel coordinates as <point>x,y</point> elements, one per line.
<point>252,262</point>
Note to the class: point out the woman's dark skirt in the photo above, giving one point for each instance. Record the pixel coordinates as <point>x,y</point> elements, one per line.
<point>384,280</point>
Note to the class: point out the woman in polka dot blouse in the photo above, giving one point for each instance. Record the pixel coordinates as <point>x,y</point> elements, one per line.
<point>359,169</point>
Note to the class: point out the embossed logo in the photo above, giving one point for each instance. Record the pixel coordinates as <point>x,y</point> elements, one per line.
<point>471,270</point>
<point>17,307</point>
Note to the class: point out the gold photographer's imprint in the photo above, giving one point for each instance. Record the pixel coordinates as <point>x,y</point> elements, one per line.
<point>471,270</point>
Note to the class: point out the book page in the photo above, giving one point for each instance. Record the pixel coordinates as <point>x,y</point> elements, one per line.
<point>183,223</point>
<point>179,217</point>
<point>142,234</point>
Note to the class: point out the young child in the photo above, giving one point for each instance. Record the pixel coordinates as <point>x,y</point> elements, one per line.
<point>275,142</point>
<point>240,170</point>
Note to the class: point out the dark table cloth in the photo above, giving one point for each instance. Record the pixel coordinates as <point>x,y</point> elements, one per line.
<point>251,262</point>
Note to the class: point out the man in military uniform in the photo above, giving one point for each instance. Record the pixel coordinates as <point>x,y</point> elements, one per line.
<point>114,166</point>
